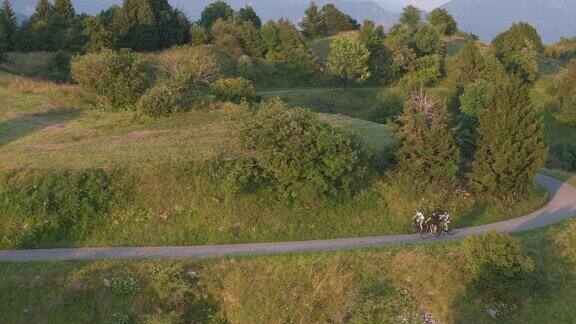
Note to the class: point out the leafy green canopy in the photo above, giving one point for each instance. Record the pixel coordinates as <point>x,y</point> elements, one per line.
<point>214,11</point>
<point>348,61</point>
<point>440,19</point>
<point>298,153</point>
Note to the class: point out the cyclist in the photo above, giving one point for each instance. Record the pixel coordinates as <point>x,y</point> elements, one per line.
<point>419,219</point>
<point>434,222</point>
<point>445,219</point>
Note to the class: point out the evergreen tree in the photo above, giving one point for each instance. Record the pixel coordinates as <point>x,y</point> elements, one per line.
<point>381,60</point>
<point>336,21</point>
<point>214,11</point>
<point>428,154</point>
<point>312,24</point>
<point>8,25</point>
<point>247,13</point>
<point>411,17</point>
<point>96,34</point>
<point>467,66</point>
<point>43,11</point>
<point>135,24</point>
<point>65,11</point>
<point>511,145</point>
<point>440,19</point>
<point>348,61</point>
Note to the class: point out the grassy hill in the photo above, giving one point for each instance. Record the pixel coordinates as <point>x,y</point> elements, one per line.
<point>398,283</point>
<point>155,170</point>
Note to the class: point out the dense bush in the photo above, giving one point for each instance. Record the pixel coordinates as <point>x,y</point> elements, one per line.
<point>299,153</point>
<point>496,264</point>
<point>57,68</point>
<point>234,90</point>
<point>60,205</point>
<point>187,68</point>
<point>158,101</point>
<point>120,77</point>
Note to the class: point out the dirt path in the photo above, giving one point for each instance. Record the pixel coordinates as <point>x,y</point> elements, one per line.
<point>562,206</point>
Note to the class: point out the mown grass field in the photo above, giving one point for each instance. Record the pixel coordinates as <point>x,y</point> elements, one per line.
<point>397,283</point>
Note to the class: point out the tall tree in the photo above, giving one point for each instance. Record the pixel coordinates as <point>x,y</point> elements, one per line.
<point>136,25</point>
<point>336,21</point>
<point>348,61</point>
<point>312,24</point>
<point>411,17</point>
<point>428,154</point>
<point>511,145</point>
<point>65,11</point>
<point>214,11</point>
<point>96,34</point>
<point>443,21</point>
<point>247,13</point>
<point>43,11</point>
<point>8,25</point>
<point>381,60</point>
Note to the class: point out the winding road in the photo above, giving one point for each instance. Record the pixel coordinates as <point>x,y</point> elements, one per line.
<point>562,205</point>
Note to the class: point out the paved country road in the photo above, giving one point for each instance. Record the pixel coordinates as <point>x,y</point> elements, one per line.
<point>562,206</point>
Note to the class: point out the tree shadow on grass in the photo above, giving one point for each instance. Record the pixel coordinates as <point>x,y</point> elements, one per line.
<point>23,125</point>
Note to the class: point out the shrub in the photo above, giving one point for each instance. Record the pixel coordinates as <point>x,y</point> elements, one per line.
<point>496,263</point>
<point>158,101</point>
<point>187,67</point>
<point>125,286</point>
<point>566,239</point>
<point>57,68</point>
<point>566,96</point>
<point>234,90</point>
<point>120,77</point>
<point>63,204</point>
<point>299,153</point>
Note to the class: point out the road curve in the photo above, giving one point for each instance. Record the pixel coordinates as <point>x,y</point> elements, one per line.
<point>562,205</point>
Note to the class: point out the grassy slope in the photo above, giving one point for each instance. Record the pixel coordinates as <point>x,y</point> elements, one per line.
<point>163,199</point>
<point>373,285</point>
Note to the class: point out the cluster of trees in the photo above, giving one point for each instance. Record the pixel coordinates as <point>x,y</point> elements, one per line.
<point>143,25</point>
<point>485,132</point>
<point>326,21</point>
<point>413,50</point>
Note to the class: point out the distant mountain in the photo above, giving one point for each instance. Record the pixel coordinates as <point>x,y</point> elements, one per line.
<point>266,9</point>
<point>488,18</point>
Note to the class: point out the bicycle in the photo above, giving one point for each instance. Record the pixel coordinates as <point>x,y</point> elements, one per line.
<point>424,231</point>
